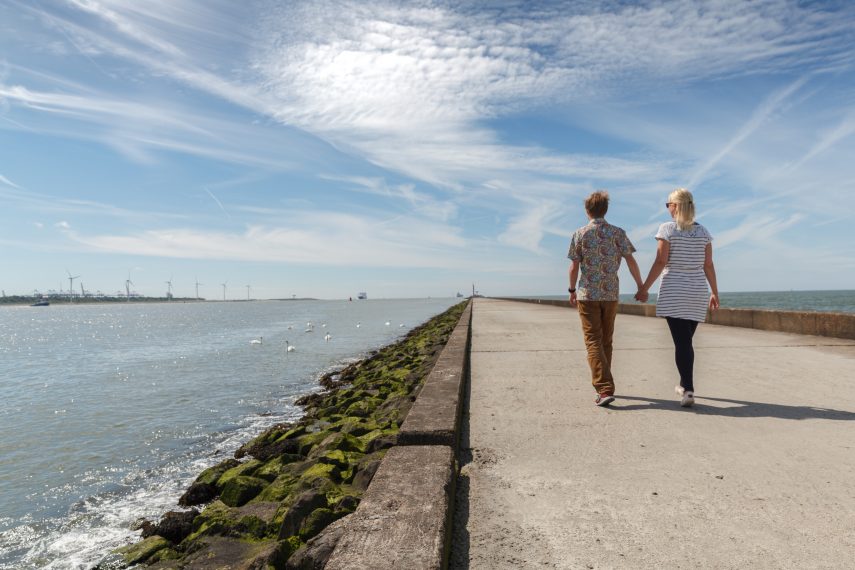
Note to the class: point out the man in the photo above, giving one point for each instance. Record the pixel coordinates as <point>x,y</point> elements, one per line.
<point>596,250</point>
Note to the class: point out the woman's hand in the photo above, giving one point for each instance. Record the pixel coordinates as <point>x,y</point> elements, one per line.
<point>642,296</point>
<point>713,302</point>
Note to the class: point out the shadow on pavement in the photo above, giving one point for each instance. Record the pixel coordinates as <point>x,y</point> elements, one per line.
<point>740,409</point>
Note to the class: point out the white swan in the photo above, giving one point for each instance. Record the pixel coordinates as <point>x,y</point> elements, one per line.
<point>327,337</point>
<point>259,340</point>
<point>289,347</point>
<point>388,324</point>
<point>358,324</point>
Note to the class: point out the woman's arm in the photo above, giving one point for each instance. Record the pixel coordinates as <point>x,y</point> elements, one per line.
<point>663,248</point>
<point>709,271</point>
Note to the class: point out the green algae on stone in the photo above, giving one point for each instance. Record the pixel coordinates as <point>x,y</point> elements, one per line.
<point>241,489</point>
<point>212,474</point>
<point>143,550</point>
<point>316,522</point>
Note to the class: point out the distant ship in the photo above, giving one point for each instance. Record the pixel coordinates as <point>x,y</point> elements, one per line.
<point>362,295</point>
<point>459,294</point>
<point>41,303</point>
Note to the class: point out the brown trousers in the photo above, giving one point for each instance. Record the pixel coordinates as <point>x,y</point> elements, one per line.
<point>598,325</point>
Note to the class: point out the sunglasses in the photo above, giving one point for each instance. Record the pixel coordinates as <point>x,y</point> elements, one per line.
<point>670,204</point>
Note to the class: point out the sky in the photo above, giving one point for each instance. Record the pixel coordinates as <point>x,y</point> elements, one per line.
<point>420,148</point>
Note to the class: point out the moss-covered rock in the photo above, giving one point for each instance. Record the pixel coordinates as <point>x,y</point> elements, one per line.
<point>217,518</point>
<point>143,550</point>
<point>338,441</point>
<point>320,472</point>
<point>279,489</point>
<point>273,468</point>
<point>252,526</point>
<point>316,522</point>
<point>211,475</point>
<point>242,470</point>
<point>355,426</point>
<point>310,440</point>
<point>241,489</point>
<point>363,408</point>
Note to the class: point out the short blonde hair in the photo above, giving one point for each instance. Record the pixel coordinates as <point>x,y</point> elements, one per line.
<point>685,212</point>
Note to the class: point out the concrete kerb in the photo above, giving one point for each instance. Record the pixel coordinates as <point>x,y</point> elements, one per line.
<point>404,518</point>
<point>837,325</point>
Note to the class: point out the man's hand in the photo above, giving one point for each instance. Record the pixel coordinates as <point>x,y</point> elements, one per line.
<point>573,301</point>
<point>642,296</point>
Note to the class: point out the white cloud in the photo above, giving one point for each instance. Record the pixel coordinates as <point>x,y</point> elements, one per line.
<point>760,114</point>
<point>758,229</point>
<point>413,88</point>
<point>63,225</point>
<point>314,238</point>
<point>7,182</point>
<point>526,230</point>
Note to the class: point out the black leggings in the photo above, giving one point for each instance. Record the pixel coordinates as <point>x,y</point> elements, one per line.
<point>682,331</point>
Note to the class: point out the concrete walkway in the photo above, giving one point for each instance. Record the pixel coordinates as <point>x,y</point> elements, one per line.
<point>759,474</point>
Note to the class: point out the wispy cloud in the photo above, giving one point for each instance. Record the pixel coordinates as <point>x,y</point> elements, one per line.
<point>322,238</point>
<point>844,129</point>
<point>220,204</point>
<point>7,182</point>
<point>756,229</point>
<point>760,114</point>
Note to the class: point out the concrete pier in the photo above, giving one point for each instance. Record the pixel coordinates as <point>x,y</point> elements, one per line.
<point>760,473</point>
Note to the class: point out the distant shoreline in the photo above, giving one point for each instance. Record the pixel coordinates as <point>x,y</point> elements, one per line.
<point>17,300</point>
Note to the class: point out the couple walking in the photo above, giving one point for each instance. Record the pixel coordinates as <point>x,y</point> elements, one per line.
<point>683,258</point>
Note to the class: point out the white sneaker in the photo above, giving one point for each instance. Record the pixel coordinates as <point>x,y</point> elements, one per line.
<point>679,389</point>
<point>687,400</point>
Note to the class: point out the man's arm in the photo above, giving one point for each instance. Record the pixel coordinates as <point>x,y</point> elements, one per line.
<point>574,275</point>
<point>632,265</point>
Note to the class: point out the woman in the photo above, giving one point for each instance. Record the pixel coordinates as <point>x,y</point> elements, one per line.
<point>684,258</point>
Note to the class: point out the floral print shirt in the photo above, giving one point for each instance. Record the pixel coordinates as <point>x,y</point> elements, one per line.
<point>599,247</point>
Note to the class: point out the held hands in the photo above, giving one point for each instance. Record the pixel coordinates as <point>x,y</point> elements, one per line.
<point>713,302</point>
<point>642,296</point>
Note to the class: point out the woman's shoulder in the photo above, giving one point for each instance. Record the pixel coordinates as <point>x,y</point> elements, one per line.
<point>701,231</point>
<point>666,230</point>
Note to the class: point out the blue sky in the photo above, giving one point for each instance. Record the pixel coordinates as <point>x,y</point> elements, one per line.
<point>414,148</point>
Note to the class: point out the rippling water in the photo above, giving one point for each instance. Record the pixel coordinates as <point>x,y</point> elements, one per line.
<point>109,411</point>
<point>822,301</point>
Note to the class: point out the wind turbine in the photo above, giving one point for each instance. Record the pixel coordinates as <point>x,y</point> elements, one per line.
<point>82,290</point>
<point>197,288</point>
<point>169,289</point>
<point>128,284</point>
<point>224,289</point>
<point>71,279</point>
<point>247,292</point>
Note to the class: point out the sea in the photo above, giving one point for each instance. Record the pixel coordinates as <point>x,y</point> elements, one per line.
<point>109,411</point>
<point>840,301</point>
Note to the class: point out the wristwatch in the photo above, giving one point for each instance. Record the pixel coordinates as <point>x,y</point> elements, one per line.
<point>571,290</point>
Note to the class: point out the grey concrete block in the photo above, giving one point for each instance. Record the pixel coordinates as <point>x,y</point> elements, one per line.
<point>403,520</point>
<point>434,418</point>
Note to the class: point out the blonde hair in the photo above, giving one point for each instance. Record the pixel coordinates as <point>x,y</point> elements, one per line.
<point>684,214</point>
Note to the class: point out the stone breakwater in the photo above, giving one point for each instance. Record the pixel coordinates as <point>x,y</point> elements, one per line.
<point>284,499</point>
<point>814,323</point>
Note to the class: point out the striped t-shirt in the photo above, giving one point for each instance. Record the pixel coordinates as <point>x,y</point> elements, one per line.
<point>683,292</point>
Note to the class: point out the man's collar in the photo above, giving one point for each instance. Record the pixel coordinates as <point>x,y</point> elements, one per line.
<point>598,221</point>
